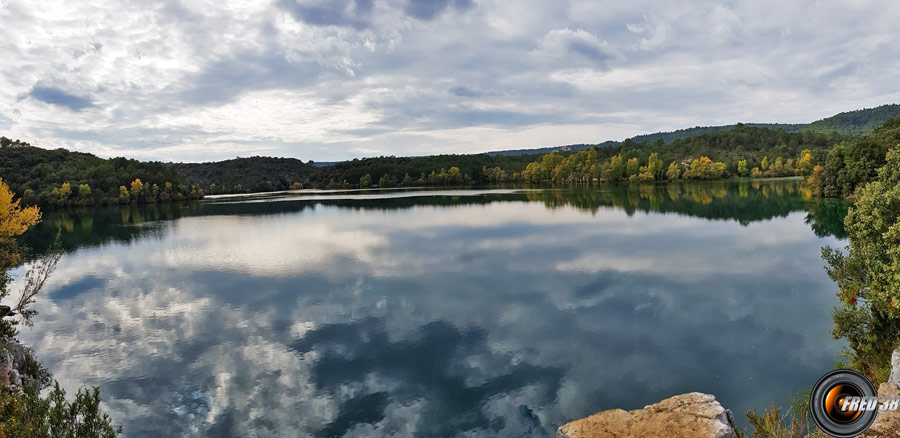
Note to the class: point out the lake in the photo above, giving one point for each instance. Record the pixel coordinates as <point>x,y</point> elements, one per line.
<point>495,312</point>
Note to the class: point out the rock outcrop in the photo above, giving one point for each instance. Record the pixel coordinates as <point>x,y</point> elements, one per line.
<point>887,423</point>
<point>895,368</point>
<point>691,415</point>
<point>12,363</point>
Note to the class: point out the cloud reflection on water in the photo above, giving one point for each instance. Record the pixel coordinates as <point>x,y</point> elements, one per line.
<point>501,318</point>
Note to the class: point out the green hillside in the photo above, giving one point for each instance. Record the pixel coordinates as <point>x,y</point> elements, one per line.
<point>856,122</point>
<point>253,174</point>
<point>59,177</point>
<point>669,137</point>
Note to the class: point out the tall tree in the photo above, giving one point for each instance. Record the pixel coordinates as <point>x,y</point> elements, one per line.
<point>742,168</point>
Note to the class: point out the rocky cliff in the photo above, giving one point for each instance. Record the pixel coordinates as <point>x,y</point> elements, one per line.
<point>887,423</point>
<point>17,367</point>
<point>691,415</point>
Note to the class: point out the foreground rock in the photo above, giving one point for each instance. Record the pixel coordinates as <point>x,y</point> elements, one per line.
<point>887,424</point>
<point>13,364</point>
<point>691,415</point>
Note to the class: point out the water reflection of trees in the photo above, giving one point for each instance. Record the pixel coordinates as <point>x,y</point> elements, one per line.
<point>742,201</point>
<point>826,217</point>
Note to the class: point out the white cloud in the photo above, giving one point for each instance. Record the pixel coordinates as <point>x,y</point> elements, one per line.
<point>317,80</point>
<point>573,47</point>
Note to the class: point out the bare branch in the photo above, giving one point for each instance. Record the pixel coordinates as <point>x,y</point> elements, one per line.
<point>36,278</point>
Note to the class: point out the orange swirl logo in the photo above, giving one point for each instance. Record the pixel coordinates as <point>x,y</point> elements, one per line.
<point>839,403</point>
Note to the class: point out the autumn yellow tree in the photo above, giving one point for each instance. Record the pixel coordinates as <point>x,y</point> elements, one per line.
<point>632,167</point>
<point>700,169</point>
<point>14,220</point>
<point>23,412</point>
<point>616,168</point>
<point>742,167</point>
<point>805,163</point>
<point>136,188</point>
<point>655,165</point>
<point>65,190</point>
<point>672,172</point>
<point>717,170</point>
<point>778,167</point>
<point>815,180</point>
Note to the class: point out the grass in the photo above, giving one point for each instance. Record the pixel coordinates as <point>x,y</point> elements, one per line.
<point>795,423</point>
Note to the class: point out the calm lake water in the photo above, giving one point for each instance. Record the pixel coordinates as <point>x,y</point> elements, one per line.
<point>503,312</point>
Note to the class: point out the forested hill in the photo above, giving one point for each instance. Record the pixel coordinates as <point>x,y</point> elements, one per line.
<point>669,137</point>
<point>837,163</point>
<point>412,171</point>
<point>255,174</point>
<point>58,177</point>
<point>847,123</point>
<point>856,122</point>
<point>740,151</point>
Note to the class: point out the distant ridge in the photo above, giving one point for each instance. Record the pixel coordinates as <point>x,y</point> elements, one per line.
<point>855,122</point>
<point>547,150</point>
<point>668,137</point>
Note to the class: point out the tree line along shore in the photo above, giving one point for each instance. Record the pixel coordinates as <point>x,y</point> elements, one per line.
<point>835,165</point>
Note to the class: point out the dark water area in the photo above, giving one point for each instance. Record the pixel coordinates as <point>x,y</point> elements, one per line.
<point>494,312</point>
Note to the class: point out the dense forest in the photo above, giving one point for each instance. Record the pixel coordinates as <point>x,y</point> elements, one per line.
<point>740,151</point>
<point>856,122</point>
<point>835,163</point>
<point>851,164</point>
<point>253,174</point>
<point>415,171</point>
<point>59,178</point>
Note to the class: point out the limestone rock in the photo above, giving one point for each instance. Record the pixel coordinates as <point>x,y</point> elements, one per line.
<point>8,373</point>
<point>12,362</point>
<point>693,415</point>
<point>895,368</point>
<point>887,423</point>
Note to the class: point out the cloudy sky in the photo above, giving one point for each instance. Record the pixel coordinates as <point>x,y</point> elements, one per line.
<point>199,80</point>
